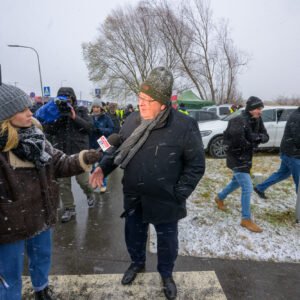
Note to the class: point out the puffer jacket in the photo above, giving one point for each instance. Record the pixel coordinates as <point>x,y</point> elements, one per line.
<point>242,137</point>
<point>165,170</point>
<point>30,197</point>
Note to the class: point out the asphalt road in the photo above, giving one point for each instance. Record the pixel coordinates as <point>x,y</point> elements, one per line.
<point>94,244</point>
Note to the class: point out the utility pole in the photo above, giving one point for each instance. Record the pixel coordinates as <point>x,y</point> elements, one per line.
<point>38,59</point>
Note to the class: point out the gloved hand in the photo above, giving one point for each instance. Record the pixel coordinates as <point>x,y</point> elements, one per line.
<point>92,156</point>
<point>98,131</point>
<point>256,138</point>
<point>263,138</point>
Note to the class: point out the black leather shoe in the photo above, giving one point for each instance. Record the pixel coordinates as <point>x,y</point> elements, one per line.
<point>45,294</point>
<point>68,215</point>
<point>260,194</point>
<point>170,288</point>
<point>131,273</point>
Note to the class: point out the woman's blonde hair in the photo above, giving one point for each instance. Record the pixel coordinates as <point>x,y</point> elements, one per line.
<point>12,133</point>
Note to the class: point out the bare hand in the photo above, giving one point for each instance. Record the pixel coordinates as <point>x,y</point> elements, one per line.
<point>96,178</point>
<point>73,113</point>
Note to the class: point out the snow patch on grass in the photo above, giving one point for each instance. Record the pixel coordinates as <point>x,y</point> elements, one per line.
<point>209,232</point>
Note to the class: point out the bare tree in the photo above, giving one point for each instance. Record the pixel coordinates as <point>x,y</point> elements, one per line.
<point>127,49</point>
<point>229,65</point>
<point>186,39</point>
<point>207,54</point>
<point>283,100</point>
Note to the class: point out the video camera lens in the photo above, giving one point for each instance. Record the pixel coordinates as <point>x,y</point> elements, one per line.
<point>63,103</point>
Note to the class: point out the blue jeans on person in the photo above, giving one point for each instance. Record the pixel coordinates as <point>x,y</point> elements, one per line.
<point>242,180</point>
<point>136,234</point>
<point>38,249</point>
<point>289,166</point>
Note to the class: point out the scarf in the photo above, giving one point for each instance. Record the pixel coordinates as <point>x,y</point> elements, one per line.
<point>135,141</point>
<point>31,146</point>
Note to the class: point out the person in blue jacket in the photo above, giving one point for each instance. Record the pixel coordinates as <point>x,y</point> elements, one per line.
<point>102,125</point>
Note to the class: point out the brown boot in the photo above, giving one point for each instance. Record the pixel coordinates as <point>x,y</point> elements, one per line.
<point>220,204</point>
<point>250,225</point>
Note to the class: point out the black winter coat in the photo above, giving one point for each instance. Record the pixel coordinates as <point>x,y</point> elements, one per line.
<point>242,136</point>
<point>290,144</point>
<point>165,170</point>
<point>68,135</point>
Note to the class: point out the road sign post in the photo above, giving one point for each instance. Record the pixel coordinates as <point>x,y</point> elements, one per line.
<point>47,92</point>
<point>98,93</point>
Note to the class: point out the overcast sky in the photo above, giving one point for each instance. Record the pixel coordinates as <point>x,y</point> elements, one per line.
<point>268,30</point>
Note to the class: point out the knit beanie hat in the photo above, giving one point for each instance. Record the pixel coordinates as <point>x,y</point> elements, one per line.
<point>158,85</point>
<point>12,101</point>
<point>253,103</point>
<point>97,102</point>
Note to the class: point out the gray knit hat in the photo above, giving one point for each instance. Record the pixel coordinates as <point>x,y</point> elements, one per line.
<point>97,102</point>
<point>158,85</point>
<point>12,101</point>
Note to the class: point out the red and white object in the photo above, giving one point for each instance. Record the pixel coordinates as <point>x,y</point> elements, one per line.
<point>103,143</point>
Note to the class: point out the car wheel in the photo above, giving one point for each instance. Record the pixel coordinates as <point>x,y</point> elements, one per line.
<point>216,147</point>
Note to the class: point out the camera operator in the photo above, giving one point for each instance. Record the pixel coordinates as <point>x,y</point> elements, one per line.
<point>70,134</point>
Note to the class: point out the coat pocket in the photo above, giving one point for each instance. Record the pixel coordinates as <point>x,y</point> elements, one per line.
<point>12,218</point>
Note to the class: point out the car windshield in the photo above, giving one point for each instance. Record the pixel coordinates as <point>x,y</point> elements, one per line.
<point>232,116</point>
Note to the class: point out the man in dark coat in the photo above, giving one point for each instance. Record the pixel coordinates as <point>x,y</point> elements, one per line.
<point>243,134</point>
<point>290,157</point>
<point>163,160</point>
<point>70,134</point>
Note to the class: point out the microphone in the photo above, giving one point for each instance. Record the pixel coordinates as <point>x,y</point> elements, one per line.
<point>115,140</point>
<point>110,144</point>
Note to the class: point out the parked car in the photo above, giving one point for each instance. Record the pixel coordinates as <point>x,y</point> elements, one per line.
<point>221,110</point>
<point>202,115</point>
<point>274,118</point>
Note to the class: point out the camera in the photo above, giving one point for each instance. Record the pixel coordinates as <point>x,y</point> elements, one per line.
<point>64,105</point>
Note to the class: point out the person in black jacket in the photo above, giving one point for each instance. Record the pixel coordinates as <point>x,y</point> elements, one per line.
<point>70,134</point>
<point>243,134</point>
<point>290,157</point>
<point>162,156</point>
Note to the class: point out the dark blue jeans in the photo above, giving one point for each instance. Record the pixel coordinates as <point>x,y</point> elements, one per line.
<point>38,249</point>
<point>289,166</point>
<point>136,234</point>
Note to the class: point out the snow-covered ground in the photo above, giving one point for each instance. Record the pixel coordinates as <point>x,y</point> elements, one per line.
<point>209,232</point>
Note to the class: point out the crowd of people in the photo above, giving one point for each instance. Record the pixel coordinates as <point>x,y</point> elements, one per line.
<point>160,150</point>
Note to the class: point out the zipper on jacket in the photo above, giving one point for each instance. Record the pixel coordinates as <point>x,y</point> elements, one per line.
<point>156,150</point>
<point>2,280</point>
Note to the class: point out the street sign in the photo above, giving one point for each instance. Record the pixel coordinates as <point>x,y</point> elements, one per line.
<point>47,91</point>
<point>98,92</point>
